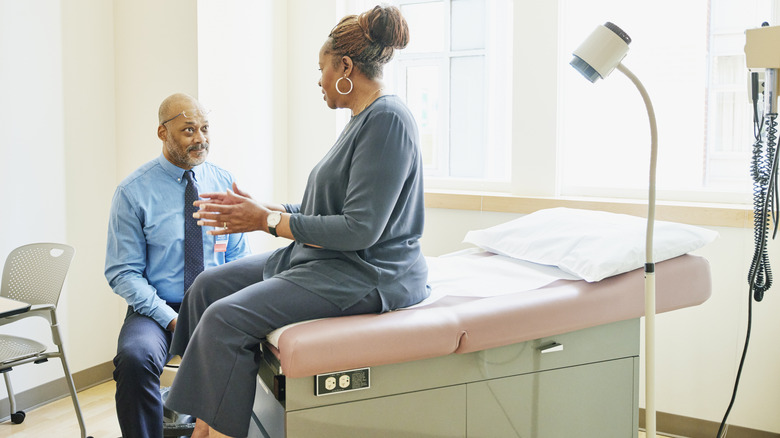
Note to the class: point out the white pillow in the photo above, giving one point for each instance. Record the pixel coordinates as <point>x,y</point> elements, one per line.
<point>589,244</point>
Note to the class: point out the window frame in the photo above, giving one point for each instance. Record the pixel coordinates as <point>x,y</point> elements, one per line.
<point>714,189</point>
<point>437,176</point>
<point>533,155</point>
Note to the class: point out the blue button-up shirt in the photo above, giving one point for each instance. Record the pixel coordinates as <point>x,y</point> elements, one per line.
<point>145,248</point>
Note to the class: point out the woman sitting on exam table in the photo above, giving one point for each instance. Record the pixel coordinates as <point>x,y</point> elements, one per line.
<point>355,236</point>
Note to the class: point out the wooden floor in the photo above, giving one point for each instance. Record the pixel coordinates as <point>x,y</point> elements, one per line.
<point>58,419</point>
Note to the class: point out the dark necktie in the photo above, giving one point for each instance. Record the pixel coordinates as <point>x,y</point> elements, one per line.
<point>193,237</point>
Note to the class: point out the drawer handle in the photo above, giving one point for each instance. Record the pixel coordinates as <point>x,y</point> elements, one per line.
<point>551,348</point>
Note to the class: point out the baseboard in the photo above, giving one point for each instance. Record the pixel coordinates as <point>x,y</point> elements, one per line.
<point>688,427</point>
<point>56,389</point>
<point>672,424</point>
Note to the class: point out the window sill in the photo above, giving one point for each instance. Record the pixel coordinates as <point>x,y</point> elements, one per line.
<point>715,215</point>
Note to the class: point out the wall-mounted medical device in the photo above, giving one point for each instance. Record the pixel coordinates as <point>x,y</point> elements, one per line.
<point>762,58</point>
<point>761,47</point>
<point>762,55</point>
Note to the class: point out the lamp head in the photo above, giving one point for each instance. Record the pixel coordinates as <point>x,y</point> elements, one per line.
<point>601,52</point>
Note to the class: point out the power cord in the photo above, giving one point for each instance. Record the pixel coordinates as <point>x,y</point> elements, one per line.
<point>765,195</point>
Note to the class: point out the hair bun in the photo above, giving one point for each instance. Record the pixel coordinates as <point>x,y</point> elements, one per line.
<point>385,26</point>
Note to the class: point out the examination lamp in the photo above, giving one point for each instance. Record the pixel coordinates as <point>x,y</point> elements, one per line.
<point>597,57</point>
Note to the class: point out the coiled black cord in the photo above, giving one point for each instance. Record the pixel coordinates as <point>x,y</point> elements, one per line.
<point>764,197</point>
<point>765,192</point>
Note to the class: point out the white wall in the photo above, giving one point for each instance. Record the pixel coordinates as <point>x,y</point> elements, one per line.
<point>32,173</point>
<point>534,89</point>
<point>241,82</point>
<point>312,128</point>
<point>90,157</point>
<point>156,55</point>
<point>699,348</point>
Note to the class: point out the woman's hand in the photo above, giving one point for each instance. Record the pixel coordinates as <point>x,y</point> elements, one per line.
<point>230,212</point>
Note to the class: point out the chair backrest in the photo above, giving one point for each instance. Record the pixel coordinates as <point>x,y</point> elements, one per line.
<point>35,273</point>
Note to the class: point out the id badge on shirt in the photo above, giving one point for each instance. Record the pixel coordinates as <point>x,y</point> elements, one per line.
<point>220,243</point>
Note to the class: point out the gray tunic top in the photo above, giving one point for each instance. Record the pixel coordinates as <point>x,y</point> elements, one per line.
<point>364,206</point>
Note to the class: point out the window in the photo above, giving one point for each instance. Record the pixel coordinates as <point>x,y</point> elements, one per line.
<point>690,57</point>
<point>500,109</point>
<point>456,78</point>
<point>730,117</point>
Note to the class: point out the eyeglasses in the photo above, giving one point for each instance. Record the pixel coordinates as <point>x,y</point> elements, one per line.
<point>188,114</point>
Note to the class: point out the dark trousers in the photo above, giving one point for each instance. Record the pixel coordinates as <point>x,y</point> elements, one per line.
<point>225,314</point>
<point>142,352</point>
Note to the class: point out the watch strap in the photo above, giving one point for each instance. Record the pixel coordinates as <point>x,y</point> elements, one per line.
<point>272,228</point>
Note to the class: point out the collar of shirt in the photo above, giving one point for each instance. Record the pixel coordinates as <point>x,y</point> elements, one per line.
<point>175,171</point>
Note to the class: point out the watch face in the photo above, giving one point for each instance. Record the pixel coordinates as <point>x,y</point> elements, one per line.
<point>274,219</point>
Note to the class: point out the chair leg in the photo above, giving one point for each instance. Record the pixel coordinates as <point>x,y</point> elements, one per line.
<point>68,377</point>
<point>17,417</point>
<point>73,396</point>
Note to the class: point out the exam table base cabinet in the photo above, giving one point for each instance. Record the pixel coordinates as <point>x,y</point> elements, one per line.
<point>587,389</point>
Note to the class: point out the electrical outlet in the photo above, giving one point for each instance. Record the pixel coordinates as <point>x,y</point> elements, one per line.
<point>342,381</point>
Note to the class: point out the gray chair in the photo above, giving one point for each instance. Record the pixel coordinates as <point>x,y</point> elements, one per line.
<point>35,274</point>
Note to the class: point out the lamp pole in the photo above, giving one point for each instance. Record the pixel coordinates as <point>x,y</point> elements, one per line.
<point>649,264</point>
<point>595,58</point>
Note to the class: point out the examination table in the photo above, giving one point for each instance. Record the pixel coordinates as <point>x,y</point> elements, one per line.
<point>560,360</point>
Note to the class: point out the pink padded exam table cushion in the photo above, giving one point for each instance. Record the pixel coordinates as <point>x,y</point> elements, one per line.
<point>468,324</point>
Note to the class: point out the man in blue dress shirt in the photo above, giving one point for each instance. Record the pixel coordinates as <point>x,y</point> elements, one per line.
<point>145,257</point>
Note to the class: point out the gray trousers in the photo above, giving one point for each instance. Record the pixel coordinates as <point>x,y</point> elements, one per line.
<point>225,315</point>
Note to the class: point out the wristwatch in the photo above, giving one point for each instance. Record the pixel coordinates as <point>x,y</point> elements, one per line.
<point>272,220</point>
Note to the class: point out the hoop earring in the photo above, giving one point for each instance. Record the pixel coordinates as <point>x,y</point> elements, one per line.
<point>350,85</point>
